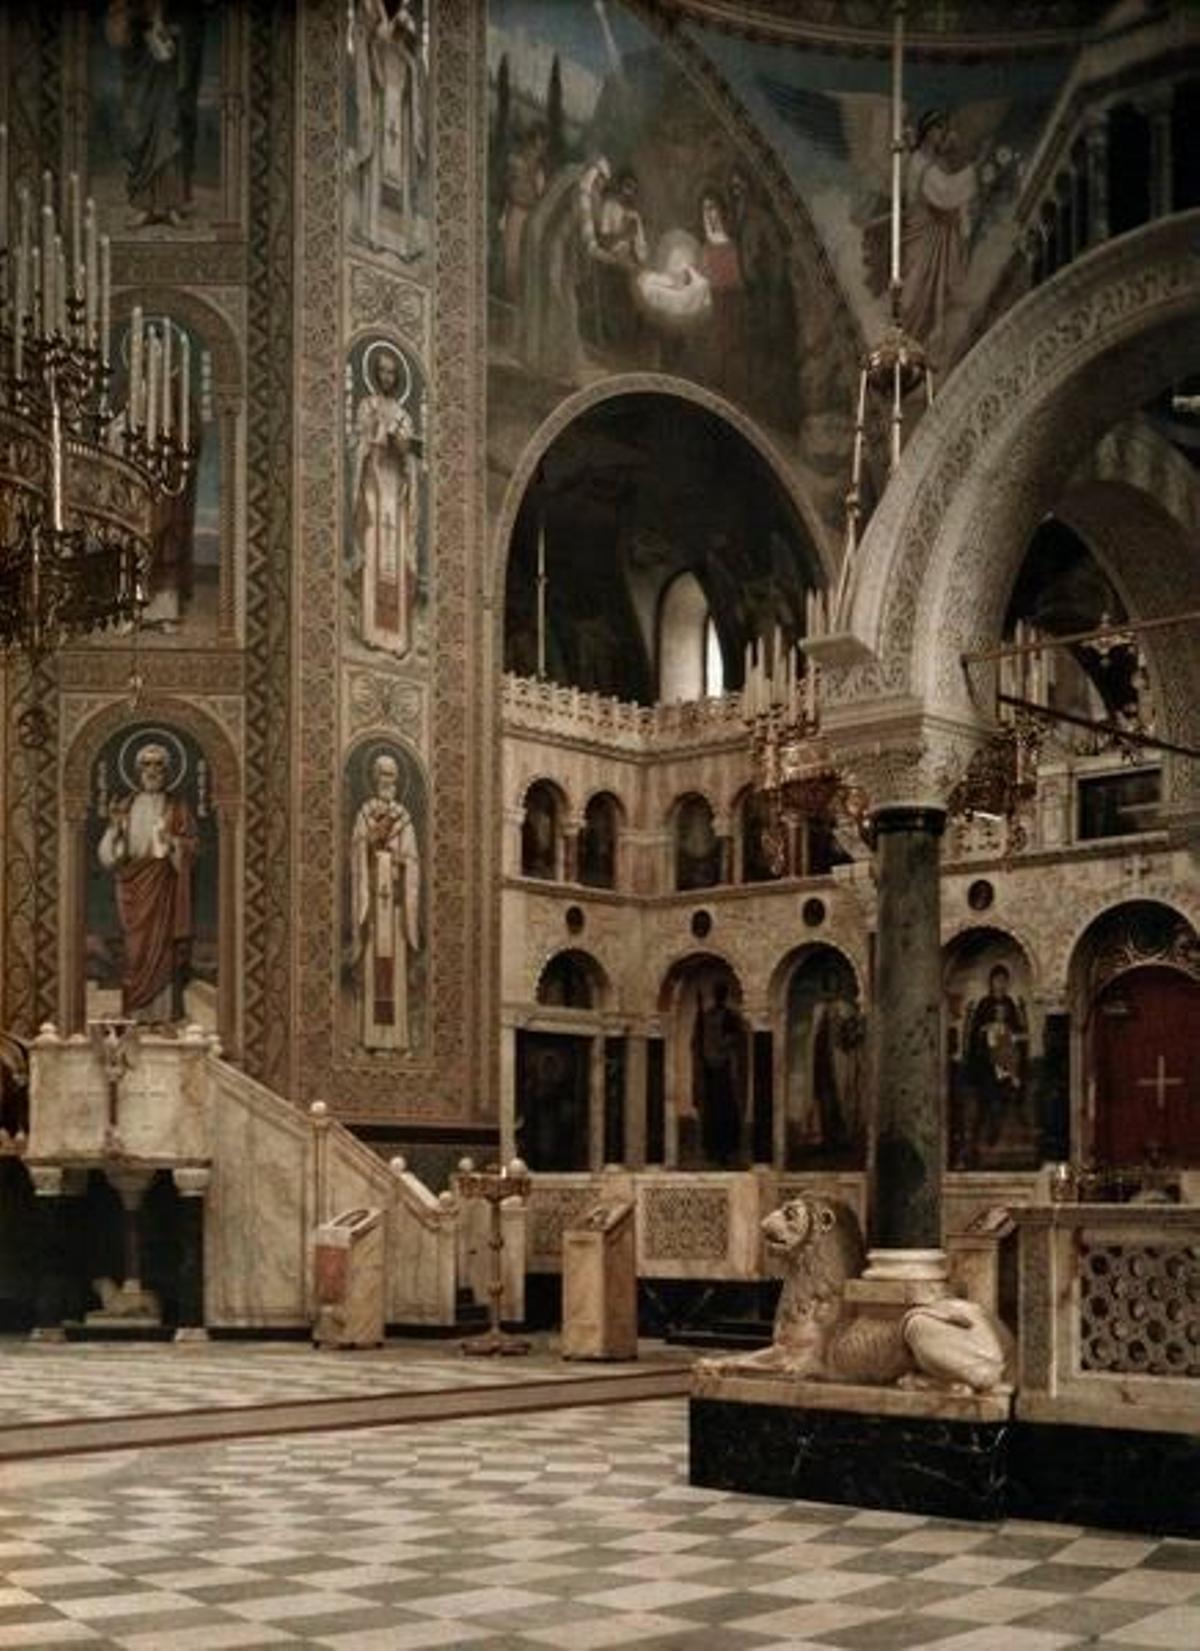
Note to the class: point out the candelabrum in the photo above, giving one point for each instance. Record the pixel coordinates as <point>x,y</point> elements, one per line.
<point>495,1184</point>
<point>81,479</point>
<point>796,776</point>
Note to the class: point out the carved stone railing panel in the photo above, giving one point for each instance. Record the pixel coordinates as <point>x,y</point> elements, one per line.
<point>686,1223</point>
<point>1139,1309</point>
<point>1110,1315</point>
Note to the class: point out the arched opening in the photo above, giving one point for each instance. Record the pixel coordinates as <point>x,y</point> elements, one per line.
<point>653,542</point>
<point>824,1063</point>
<point>1135,985</point>
<point>708,1075</point>
<point>560,1069</point>
<point>697,846</point>
<point>995,1084</point>
<point>599,842</point>
<point>541,831</point>
<point>689,646</point>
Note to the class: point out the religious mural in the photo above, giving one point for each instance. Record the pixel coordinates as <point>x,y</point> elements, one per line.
<point>627,230</point>
<point>970,130</point>
<point>709,1067</point>
<point>185,572</point>
<point>154,113</point>
<point>992,1056</point>
<point>150,948</point>
<point>387,125</point>
<point>384,921</point>
<point>825,1077</point>
<point>385,496</point>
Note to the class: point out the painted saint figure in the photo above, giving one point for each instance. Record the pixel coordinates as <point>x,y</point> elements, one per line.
<point>997,1047</point>
<point>389,90</point>
<point>719,1051</point>
<point>385,900</point>
<point>386,508</point>
<point>149,845</point>
<point>149,48</point>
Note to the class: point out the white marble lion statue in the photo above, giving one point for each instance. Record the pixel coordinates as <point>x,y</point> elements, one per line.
<point>951,1345</point>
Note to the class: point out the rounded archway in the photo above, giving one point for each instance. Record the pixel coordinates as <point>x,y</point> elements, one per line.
<point>1134,983</point>
<point>935,568</point>
<point>639,494</point>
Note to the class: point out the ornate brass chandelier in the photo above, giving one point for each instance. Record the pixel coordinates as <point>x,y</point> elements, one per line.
<point>81,479</point>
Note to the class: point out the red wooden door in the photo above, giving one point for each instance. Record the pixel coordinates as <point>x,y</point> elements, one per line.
<point>1147,1068</point>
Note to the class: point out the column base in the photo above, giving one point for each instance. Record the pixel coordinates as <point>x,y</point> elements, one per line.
<point>911,1266</point>
<point>191,1332</point>
<point>50,1334</point>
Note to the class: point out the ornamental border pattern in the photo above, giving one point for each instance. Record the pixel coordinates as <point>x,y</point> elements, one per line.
<point>269,262</point>
<point>317,542</point>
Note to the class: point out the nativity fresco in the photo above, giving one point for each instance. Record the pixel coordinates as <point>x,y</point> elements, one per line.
<point>627,231</point>
<point>154,116</point>
<point>387,126</point>
<point>385,416</point>
<point>970,133</point>
<point>150,951</point>
<point>384,922</point>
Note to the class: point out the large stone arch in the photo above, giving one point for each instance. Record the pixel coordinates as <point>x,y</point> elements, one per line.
<point>663,384</point>
<point>934,570</point>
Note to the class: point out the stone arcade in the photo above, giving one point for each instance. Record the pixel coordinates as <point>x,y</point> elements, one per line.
<point>562,766</point>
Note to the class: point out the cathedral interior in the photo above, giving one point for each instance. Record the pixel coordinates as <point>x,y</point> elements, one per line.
<point>601,762</point>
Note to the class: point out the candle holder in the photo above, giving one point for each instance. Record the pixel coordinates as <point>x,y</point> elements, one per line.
<point>496,1184</point>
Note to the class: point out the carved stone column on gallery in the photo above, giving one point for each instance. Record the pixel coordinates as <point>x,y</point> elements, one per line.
<point>508,1092</point>
<point>596,1102</point>
<point>191,1183</point>
<point>572,828</point>
<point>635,1100</point>
<point>905,1215</point>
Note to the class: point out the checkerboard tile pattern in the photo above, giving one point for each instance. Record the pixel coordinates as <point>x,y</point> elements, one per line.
<point>571,1528</point>
<point>93,1380</point>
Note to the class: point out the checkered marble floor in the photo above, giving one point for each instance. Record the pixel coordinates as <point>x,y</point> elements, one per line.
<point>571,1528</point>
<point>42,1382</point>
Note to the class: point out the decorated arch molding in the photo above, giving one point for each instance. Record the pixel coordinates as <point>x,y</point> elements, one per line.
<point>663,384</point>
<point>935,568</point>
<point>204,729</point>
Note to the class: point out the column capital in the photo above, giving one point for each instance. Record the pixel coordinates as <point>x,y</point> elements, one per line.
<point>191,1180</point>
<point>904,757</point>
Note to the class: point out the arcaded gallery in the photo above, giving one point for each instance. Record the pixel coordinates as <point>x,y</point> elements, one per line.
<point>600,859</point>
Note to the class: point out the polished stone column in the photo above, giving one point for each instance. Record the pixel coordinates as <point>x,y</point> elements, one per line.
<point>191,1182</point>
<point>53,1246</point>
<point>906,1196</point>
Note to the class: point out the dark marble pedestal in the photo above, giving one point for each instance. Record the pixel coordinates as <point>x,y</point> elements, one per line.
<point>953,1466</point>
<point>914,1464</point>
<point>1121,1478</point>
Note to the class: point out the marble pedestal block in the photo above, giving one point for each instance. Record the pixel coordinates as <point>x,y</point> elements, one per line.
<point>956,1458</point>
<point>1115,1478</point>
<point>859,1446</point>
